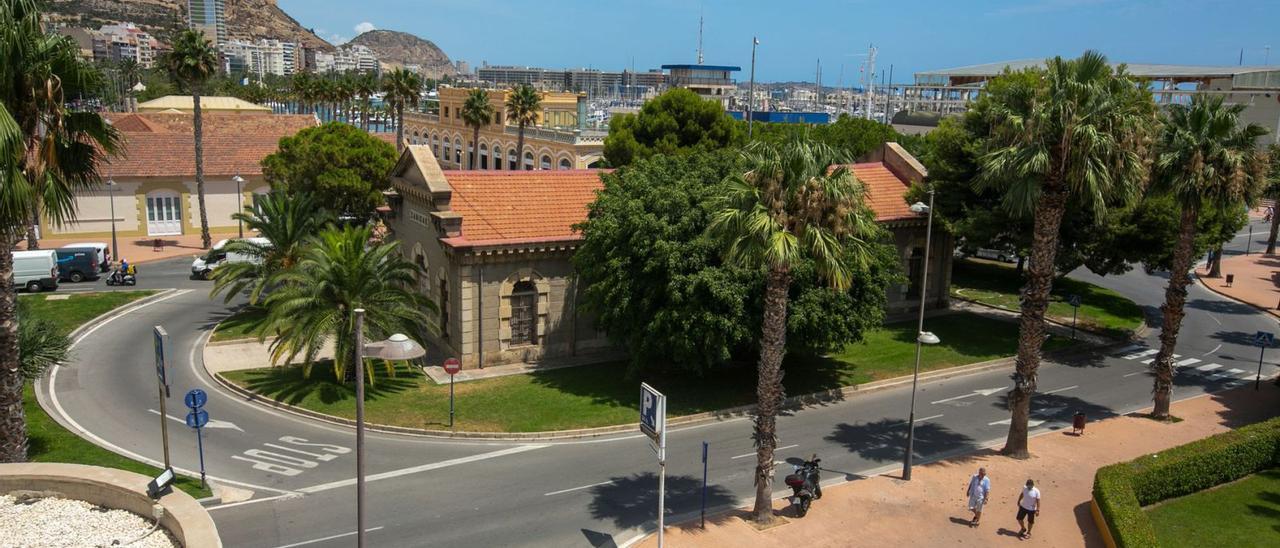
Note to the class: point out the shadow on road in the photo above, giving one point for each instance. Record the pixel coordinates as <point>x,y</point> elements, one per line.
<point>886,440</point>
<point>633,501</point>
<point>1059,407</point>
<point>1221,307</point>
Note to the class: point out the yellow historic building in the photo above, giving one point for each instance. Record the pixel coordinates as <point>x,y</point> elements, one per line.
<point>557,141</point>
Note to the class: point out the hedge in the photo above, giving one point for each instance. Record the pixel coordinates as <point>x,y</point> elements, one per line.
<point>1122,489</point>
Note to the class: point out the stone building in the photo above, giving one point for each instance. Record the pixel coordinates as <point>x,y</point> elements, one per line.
<point>496,248</point>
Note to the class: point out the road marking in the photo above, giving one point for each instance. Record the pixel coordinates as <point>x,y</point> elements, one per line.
<point>1148,361</point>
<point>1031,423</point>
<point>424,467</point>
<point>1188,361</point>
<point>1135,373</point>
<point>213,423</point>
<point>1131,348</point>
<point>330,537</point>
<point>562,491</point>
<point>1214,318</point>
<point>1137,355</point>
<point>753,453</point>
<point>1209,367</point>
<point>1064,389</point>
<point>982,392</point>
<point>1215,349</point>
<point>1224,374</point>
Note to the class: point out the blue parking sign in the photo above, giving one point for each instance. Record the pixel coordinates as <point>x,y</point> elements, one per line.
<point>653,412</point>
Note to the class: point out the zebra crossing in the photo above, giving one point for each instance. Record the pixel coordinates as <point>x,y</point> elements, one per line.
<point>1188,366</point>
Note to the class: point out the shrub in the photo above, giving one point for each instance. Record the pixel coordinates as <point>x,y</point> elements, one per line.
<point>1121,490</point>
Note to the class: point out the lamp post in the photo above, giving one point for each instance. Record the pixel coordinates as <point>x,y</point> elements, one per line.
<point>111,192</point>
<point>922,337</point>
<point>751,93</point>
<point>239,203</point>
<point>396,348</point>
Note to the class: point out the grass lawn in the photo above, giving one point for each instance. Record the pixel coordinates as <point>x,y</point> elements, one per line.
<point>998,284</point>
<point>1243,513</point>
<point>234,327</point>
<point>48,440</point>
<point>601,395</point>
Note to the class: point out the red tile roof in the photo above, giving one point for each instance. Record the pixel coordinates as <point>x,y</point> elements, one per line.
<point>162,144</point>
<point>505,207</point>
<point>885,191</point>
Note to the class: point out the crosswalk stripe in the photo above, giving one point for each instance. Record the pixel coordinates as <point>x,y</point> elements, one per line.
<point>1148,361</point>
<point>1224,374</point>
<point>1131,348</point>
<point>1208,367</point>
<point>1187,362</point>
<point>1137,355</point>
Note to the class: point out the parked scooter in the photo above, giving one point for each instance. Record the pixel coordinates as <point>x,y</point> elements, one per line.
<point>118,277</point>
<point>805,484</point>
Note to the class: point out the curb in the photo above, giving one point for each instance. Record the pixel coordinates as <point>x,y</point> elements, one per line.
<point>1138,332</point>
<point>1199,280</point>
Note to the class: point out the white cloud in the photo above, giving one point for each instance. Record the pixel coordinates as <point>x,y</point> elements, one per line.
<point>338,40</point>
<point>364,27</point>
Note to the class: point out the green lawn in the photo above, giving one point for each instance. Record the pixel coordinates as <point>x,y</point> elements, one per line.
<point>235,326</point>
<point>601,395</point>
<point>998,284</point>
<point>1243,513</point>
<point>49,441</point>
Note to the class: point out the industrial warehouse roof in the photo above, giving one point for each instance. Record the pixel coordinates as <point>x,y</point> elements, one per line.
<point>183,103</point>
<point>162,144</point>
<point>1141,70</point>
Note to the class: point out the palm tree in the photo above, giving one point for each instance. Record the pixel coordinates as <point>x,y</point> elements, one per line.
<point>47,155</point>
<point>287,222</point>
<point>477,112</point>
<point>402,88</point>
<point>339,272</point>
<point>1273,191</point>
<point>1206,161</point>
<point>523,105</point>
<point>1075,131</point>
<point>191,63</point>
<point>794,203</point>
<point>364,87</point>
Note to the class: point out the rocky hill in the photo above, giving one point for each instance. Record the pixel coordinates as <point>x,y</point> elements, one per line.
<point>251,19</point>
<point>402,48</point>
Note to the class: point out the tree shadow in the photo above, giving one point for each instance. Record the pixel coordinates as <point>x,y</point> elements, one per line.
<point>1221,306</point>
<point>286,384</point>
<point>1059,408</point>
<point>632,501</point>
<point>886,440</point>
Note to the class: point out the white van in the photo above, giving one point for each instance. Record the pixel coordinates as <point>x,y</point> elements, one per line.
<point>104,253</point>
<point>203,266</point>
<point>35,270</point>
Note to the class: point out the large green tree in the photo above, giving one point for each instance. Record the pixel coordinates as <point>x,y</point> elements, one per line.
<point>524,104</point>
<point>477,112</point>
<point>403,89</point>
<point>1206,160</point>
<point>342,167</point>
<point>47,155</point>
<point>192,62</point>
<point>676,122</point>
<point>791,204</point>
<point>1077,131</point>
<point>287,221</point>
<point>855,136</point>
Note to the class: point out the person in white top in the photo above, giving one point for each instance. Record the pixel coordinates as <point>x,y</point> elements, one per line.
<point>1028,508</point>
<point>977,490</point>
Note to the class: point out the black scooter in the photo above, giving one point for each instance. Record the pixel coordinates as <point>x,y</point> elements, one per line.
<point>118,277</point>
<point>805,484</point>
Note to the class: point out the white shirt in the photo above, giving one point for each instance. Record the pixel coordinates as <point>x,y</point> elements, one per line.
<point>979,487</point>
<point>1030,498</point>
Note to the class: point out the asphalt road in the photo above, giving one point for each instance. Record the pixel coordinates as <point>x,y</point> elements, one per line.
<point>597,492</point>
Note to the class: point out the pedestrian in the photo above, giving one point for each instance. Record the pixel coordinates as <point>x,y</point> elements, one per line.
<point>977,491</point>
<point>1028,508</point>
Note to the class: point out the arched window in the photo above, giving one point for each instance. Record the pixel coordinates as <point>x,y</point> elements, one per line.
<point>497,158</point>
<point>484,156</point>
<point>565,164</point>
<point>457,151</point>
<point>435,146</point>
<point>513,161</point>
<point>448,150</point>
<point>528,161</point>
<point>524,314</point>
<point>546,162</point>
<point>415,138</point>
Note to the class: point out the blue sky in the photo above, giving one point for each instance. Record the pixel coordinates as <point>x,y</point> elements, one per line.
<point>913,35</point>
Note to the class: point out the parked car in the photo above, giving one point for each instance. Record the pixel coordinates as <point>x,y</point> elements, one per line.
<point>203,266</point>
<point>996,255</point>
<point>103,250</point>
<point>77,264</point>
<point>35,270</point>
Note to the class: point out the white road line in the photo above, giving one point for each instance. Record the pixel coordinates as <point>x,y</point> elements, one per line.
<point>251,501</point>
<point>424,467</point>
<point>1063,389</point>
<point>1215,318</point>
<point>982,392</point>
<point>1137,355</point>
<point>752,454</point>
<point>562,491</point>
<point>1131,348</point>
<point>1148,361</point>
<point>1208,367</point>
<point>1134,373</point>
<point>330,537</point>
<point>1215,349</point>
<point>1031,423</point>
<point>1188,361</point>
<point>1224,374</point>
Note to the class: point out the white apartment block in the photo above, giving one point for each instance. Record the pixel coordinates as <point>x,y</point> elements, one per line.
<point>262,57</point>
<point>348,58</point>
<point>125,41</point>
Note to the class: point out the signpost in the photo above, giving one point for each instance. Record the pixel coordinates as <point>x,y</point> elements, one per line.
<point>162,360</point>
<point>1263,339</point>
<point>653,422</point>
<point>704,485</point>
<point>196,419</point>
<point>1074,301</point>
<point>451,366</point>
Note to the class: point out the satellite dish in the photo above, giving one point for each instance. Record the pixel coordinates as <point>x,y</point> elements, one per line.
<point>139,87</point>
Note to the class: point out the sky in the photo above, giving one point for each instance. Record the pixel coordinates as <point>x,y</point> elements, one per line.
<point>794,35</point>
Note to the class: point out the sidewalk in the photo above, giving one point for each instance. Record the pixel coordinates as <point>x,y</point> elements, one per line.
<point>930,510</point>
<point>139,250</point>
<point>1256,280</point>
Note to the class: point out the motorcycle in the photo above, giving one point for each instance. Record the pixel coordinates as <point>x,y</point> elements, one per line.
<point>116,277</point>
<point>805,485</point>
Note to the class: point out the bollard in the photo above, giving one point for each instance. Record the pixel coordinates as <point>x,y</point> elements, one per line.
<point>157,245</point>
<point>1077,424</point>
<point>1230,278</point>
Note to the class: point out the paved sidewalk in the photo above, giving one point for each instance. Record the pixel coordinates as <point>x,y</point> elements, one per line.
<point>1256,280</point>
<point>930,510</point>
<point>139,250</point>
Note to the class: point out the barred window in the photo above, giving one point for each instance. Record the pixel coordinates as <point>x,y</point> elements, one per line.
<point>524,312</point>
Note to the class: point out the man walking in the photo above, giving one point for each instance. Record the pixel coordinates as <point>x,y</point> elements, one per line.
<point>1028,508</point>
<point>977,491</point>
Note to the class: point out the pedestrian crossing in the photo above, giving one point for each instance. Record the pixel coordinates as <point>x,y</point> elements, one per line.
<point>1189,366</point>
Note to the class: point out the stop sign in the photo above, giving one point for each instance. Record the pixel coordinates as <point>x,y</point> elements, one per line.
<point>452,366</point>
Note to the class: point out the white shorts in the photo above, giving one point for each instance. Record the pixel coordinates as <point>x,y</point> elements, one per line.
<point>976,502</point>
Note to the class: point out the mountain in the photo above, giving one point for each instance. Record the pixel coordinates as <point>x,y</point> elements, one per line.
<point>402,48</point>
<point>251,19</point>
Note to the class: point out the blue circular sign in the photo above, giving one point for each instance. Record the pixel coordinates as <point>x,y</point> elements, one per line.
<point>197,418</point>
<point>195,399</point>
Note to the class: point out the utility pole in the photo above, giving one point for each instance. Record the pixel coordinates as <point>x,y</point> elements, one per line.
<point>870,80</point>
<point>751,97</point>
<point>699,37</point>
<point>888,98</point>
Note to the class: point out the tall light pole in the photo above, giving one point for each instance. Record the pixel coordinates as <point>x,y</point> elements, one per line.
<point>751,93</point>
<point>922,337</point>
<point>396,348</point>
<point>111,192</point>
<point>239,203</point>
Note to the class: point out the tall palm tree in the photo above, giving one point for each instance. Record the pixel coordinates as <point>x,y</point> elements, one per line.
<point>339,272</point>
<point>47,155</point>
<point>1077,132</point>
<point>477,112</point>
<point>402,88</point>
<point>191,63</point>
<point>792,204</point>
<point>287,221</point>
<point>523,105</point>
<point>1206,161</point>
<point>1273,191</point>
<point>364,87</point>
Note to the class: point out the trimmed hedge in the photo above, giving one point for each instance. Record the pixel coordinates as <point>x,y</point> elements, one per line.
<point>1121,490</point>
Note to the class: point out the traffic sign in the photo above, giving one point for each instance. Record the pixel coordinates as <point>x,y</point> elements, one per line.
<point>195,399</point>
<point>653,412</point>
<point>197,418</point>
<point>452,366</point>
<point>162,356</point>
<point>1074,300</point>
<point>1264,338</point>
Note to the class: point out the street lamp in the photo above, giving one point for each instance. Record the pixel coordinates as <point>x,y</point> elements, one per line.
<point>922,337</point>
<point>397,348</point>
<point>111,192</point>
<point>239,203</point>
